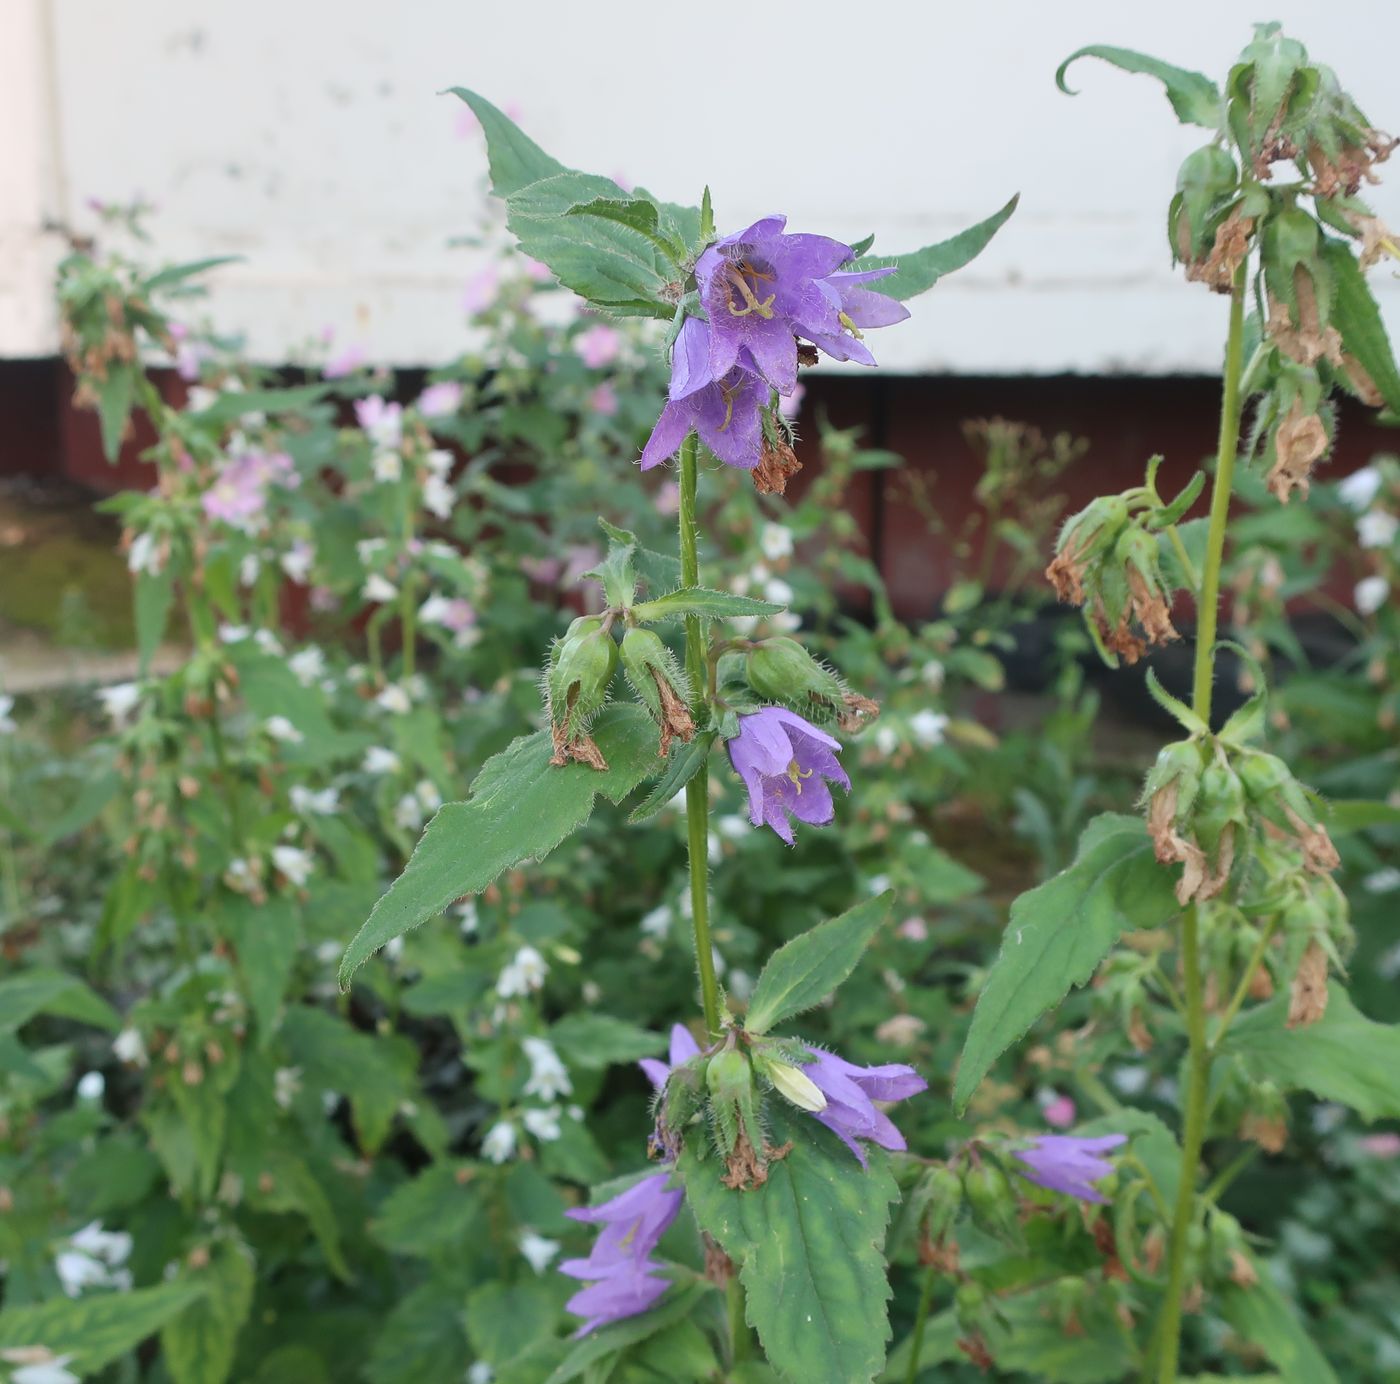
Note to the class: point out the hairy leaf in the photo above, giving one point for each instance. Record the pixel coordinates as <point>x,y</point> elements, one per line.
<point>1358,319</point>
<point>809,1246</point>
<point>1344,1057</point>
<point>803,972</point>
<point>1194,97</point>
<point>1060,932</point>
<point>686,760</point>
<point>919,270</point>
<point>699,600</point>
<point>514,159</point>
<point>521,807</point>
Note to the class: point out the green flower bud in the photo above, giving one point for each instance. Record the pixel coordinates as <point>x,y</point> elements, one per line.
<point>734,1120</point>
<point>1279,797</point>
<point>1205,180</point>
<point>992,1200</point>
<point>793,1084</point>
<point>1085,537</point>
<point>781,670</point>
<point>943,1192</point>
<point>653,674</point>
<point>576,685</point>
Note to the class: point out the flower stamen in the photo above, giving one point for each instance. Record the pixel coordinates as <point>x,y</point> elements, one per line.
<point>734,278</point>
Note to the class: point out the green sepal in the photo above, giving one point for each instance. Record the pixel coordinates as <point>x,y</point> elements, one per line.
<point>1174,707</point>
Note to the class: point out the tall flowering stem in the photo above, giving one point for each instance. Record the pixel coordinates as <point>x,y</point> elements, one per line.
<point>1198,1058</point>
<point>697,791</point>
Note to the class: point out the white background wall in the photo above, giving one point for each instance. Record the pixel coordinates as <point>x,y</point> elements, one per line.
<point>307,136</point>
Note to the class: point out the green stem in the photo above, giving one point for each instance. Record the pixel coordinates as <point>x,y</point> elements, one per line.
<point>739,1340</point>
<point>697,791</point>
<point>1246,979</point>
<point>1198,1056</point>
<point>920,1321</point>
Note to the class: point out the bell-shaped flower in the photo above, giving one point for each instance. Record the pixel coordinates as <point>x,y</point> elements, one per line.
<point>851,1093</point>
<point>786,764</point>
<point>1064,1163</point>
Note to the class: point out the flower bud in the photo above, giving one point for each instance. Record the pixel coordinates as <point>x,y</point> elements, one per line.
<point>781,670</point>
<point>1148,598</point>
<point>944,1196</point>
<point>652,672</point>
<point>1282,800</point>
<point>793,1084</point>
<point>992,1200</point>
<point>1261,85</point>
<point>576,686</point>
<point>734,1120</point>
<point>1205,180</point>
<point>1171,791</point>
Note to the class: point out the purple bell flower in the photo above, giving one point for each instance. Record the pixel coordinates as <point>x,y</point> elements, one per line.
<point>856,307</point>
<point>683,1048</point>
<point>622,1278</point>
<point>725,410</point>
<point>785,763</point>
<point>851,1092</point>
<point>1062,1163</point>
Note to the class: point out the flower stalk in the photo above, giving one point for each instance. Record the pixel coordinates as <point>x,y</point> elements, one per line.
<point>1198,1059</point>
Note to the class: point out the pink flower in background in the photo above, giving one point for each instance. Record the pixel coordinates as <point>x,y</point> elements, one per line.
<point>480,292</point>
<point>452,613</point>
<point>668,498</point>
<point>440,399</point>
<point>188,354</point>
<point>598,346</point>
<point>544,570</point>
<point>239,496</point>
<point>913,930</point>
<point>537,271</point>
<point>603,400</point>
<point>790,404</point>
<point>465,125</point>
<point>1385,1145</point>
<point>1059,1113</point>
<point>381,420</point>
<point>346,363</point>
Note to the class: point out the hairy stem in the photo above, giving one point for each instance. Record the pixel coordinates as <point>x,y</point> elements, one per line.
<point>1198,1057</point>
<point>697,791</point>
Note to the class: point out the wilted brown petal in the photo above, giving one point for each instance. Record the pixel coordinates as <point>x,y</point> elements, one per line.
<point>1299,442</point>
<point>1307,997</point>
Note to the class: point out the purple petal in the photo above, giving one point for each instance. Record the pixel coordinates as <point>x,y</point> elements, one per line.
<point>666,437</point>
<point>690,359</point>
<point>683,1045</point>
<point>656,1070</point>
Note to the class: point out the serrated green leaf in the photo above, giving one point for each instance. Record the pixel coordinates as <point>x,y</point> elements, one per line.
<point>155,594</point>
<point>685,761</point>
<point>1344,1057</point>
<point>514,159</point>
<point>521,807</point>
<point>699,600</point>
<point>198,1345</point>
<point>1194,97</point>
<point>115,397</point>
<point>918,271</point>
<point>600,1040</point>
<point>95,1331</point>
<point>803,972</point>
<point>1358,319</point>
<point>1268,1321</point>
<point>505,1319</point>
<point>438,1208</point>
<point>809,1246</point>
<point>42,991</point>
<point>639,214</point>
<point>1060,932</point>
<point>422,1339</point>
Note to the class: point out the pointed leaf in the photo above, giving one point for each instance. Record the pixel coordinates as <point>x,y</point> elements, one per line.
<point>1194,97</point>
<point>521,807</point>
<point>1060,932</point>
<point>809,1246</point>
<point>95,1331</point>
<point>1344,1057</point>
<point>1268,1321</point>
<point>686,760</point>
<point>198,1345</point>
<point>699,600</point>
<point>1175,707</point>
<point>514,159</point>
<point>175,275</point>
<point>155,594</point>
<point>803,972</point>
<point>919,270</point>
<point>1358,319</point>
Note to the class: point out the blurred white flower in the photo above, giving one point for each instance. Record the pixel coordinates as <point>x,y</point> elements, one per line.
<point>393,948</point>
<point>499,1143</point>
<point>933,673</point>
<point>525,972</point>
<point>145,556</point>
<point>248,569</point>
<point>268,642</point>
<point>295,863</point>
<point>886,740</point>
<point>1371,594</point>
<point>306,801</point>
<point>378,588</point>
<point>480,1373</point>
<point>280,728</point>
<point>657,923</point>
<point>538,1251</point>
<point>387,467</point>
<point>428,795</point>
<point>378,760</point>
<point>233,634</point>
<point>38,1366</point>
<point>775,589</point>
<point>1359,489</point>
<point>439,497</point>
<point>543,1124</point>
<point>286,1082</point>
<point>381,421</point>
<point>470,922</point>
<point>1377,529</point>
<point>775,541</point>
<point>1382,881</point>
<point>408,813</point>
<point>119,701</point>
<point>128,1046</point>
<point>394,699</point>
<point>927,728</point>
<point>91,1085</point>
<point>548,1075</point>
<point>7,722</point>
<point>366,548</point>
<point>308,665</point>
<point>296,561</point>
